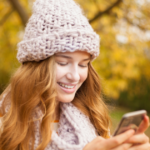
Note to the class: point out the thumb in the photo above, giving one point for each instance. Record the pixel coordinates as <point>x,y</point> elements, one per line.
<point>144,125</point>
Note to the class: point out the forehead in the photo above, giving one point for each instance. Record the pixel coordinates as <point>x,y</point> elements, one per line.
<point>79,54</point>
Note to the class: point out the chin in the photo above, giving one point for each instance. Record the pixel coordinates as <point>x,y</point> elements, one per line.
<point>65,99</point>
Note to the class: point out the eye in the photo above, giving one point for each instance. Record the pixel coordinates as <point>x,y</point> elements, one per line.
<point>83,66</point>
<point>62,64</point>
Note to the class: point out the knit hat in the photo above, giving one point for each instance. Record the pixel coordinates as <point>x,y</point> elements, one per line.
<point>56,26</point>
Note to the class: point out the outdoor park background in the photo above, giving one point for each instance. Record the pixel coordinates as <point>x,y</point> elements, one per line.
<point>124,61</point>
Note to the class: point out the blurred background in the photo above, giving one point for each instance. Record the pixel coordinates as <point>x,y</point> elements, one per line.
<point>124,61</point>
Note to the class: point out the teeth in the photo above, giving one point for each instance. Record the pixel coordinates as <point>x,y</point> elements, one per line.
<point>66,86</point>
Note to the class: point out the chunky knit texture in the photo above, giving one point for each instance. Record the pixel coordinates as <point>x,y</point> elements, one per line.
<point>56,26</point>
<point>74,133</point>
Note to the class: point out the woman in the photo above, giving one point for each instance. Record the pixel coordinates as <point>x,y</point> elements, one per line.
<point>57,83</point>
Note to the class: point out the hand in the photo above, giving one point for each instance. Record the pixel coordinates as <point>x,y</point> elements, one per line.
<point>144,125</point>
<point>114,143</point>
<point>140,141</point>
<point>125,141</point>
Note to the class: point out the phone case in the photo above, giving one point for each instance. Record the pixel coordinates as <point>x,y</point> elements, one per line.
<point>130,120</point>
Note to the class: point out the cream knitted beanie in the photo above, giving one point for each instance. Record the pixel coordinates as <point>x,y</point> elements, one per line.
<point>56,26</point>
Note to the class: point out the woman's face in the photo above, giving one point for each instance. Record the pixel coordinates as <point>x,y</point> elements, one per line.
<point>71,72</point>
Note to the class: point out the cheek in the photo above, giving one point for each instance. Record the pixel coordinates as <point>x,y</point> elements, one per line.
<point>60,72</point>
<point>83,75</point>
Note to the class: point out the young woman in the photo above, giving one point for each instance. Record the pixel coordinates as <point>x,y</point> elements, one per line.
<point>53,101</point>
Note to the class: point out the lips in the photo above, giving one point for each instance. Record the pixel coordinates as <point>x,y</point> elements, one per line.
<point>66,85</point>
<point>67,88</point>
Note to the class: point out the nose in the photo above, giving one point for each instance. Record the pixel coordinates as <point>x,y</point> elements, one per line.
<point>73,74</point>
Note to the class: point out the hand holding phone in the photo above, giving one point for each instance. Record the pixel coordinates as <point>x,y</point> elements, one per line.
<point>128,139</point>
<point>130,120</point>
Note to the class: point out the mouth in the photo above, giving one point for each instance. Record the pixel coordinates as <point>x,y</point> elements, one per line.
<point>67,88</point>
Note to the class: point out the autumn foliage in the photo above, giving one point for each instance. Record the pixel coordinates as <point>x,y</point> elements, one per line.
<point>124,61</point>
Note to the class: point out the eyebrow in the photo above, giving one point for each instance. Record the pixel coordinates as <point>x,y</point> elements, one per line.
<point>68,57</point>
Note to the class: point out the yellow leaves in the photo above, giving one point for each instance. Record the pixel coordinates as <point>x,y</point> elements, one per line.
<point>147,73</point>
<point>93,11</point>
<point>126,65</point>
<point>8,40</point>
<point>90,8</point>
<point>118,12</point>
<point>4,8</point>
<point>131,69</point>
<point>117,70</point>
<point>117,66</point>
<point>113,86</point>
<point>119,63</point>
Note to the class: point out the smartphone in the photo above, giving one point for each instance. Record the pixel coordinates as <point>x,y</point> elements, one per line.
<point>130,120</point>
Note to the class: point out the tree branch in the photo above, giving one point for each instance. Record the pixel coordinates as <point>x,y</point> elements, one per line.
<point>2,21</point>
<point>21,11</point>
<point>105,11</point>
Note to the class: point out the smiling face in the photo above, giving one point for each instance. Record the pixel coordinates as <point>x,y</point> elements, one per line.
<point>71,72</point>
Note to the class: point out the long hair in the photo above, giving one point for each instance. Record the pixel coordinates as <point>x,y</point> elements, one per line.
<point>89,99</point>
<point>32,86</point>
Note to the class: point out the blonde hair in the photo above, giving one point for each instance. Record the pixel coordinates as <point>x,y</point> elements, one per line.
<point>33,85</point>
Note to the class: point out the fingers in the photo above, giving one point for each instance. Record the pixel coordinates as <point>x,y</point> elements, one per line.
<point>96,144</point>
<point>144,125</point>
<point>100,143</point>
<point>124,146</point>
<point>138,139</point>
<point>118,140</point>
<point>141,147</point>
